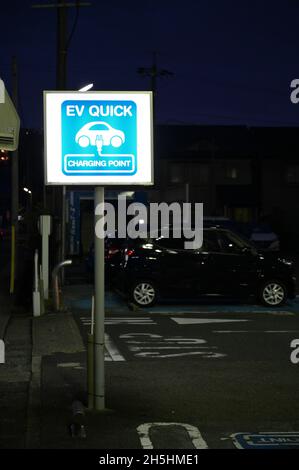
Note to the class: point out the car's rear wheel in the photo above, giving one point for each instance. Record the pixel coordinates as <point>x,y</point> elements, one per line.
<point>84,141</point>
<point>273,293</point>
<point>143,293</point>
<point>116,141</point>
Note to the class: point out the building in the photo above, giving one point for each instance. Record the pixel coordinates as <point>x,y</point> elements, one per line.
<point>247,174</point>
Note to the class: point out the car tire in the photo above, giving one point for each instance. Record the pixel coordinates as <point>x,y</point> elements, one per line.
<point>84,141</point>
<point>143,293</point>
<point>273,293</point>
<point>116,141</point>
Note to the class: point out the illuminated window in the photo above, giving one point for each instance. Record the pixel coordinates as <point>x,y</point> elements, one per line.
<point>231,173</point>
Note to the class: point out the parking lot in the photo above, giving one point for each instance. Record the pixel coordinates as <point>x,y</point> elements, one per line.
<point>224,369</point>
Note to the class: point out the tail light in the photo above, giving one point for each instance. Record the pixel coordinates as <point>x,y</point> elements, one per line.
<point>112,252</point>
<point>128,253</point>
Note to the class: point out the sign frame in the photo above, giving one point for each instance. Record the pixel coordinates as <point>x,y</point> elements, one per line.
<point>100,180</point>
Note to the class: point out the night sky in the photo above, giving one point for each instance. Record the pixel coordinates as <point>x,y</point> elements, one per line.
<point>232,60</point>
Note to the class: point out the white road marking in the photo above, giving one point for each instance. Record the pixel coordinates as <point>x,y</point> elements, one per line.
<point>137,348</point>
<point>225,311</point>
<point>205,354</point>
<point>112,350</point>
<point>140,343</point>
<point>68,364</point>
<point>256,331</point>
<point>203,321</point>
<point>196,438</point>
<point>121,320</point>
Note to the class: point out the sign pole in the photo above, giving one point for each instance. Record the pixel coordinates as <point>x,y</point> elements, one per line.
<point>99,326</point>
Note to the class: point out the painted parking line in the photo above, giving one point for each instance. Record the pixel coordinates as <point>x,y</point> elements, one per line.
<point>183,311</point>
<point>256,331</point>
<point>112,350</point>
<point>289,310</point>
<point>203,321</point>
<point>122,321</point>
<point>194,436</point>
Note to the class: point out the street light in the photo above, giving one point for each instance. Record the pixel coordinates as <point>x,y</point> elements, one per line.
<point>29,192</point>
<point>87,87</point>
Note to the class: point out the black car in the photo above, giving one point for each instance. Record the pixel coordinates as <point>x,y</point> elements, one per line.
<point>113,247</point>
<point>226,265</point>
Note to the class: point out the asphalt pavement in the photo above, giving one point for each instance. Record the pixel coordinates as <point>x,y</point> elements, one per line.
<point>179,378</point>
<point>4,286</point>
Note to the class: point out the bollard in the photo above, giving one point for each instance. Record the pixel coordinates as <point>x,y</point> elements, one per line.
<point>42,293</point>
<point>78,420</point>
<point>36,291</point>
<point>55,283</point>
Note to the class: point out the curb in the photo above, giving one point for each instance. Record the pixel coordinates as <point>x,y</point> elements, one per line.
<point>4,323</point>
<point>32,439</point>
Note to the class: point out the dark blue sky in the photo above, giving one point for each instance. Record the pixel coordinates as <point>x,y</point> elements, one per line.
<point>232,60</point>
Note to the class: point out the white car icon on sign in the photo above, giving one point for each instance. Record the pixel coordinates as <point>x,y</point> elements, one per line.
<point>93,131</point>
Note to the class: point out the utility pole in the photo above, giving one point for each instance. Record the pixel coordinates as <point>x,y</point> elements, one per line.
<point>213,175</point>
<point>63,42</point>
<point>14,188</point>
<point>154,72</point>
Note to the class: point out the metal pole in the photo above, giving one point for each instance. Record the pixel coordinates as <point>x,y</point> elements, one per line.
<point>61,45</point>
<point>14,189</point>
<point>99,327</point>
<point>61,85</point>
<point>187,192</point>
<point>63,229</point>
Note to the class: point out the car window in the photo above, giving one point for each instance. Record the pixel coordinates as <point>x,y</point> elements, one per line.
<point>99,127</point>
<point>232,243</point>
<point>170,243</point>
<point>210,241</point>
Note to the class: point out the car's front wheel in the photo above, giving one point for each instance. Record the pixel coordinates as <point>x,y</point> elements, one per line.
<point>273,294</point>
<point>143,293</point>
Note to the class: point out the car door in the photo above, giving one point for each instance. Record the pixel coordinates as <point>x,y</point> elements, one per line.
<point>225,265</point>
<point>236,266</point>
<point>176,266</point>
<point>208,277</point>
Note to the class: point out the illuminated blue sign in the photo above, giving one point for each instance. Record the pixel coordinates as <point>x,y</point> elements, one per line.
<point>267,440</point>
<point>98,137</point>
